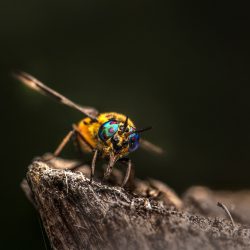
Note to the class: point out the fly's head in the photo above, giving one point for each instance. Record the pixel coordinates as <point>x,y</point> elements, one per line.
<point>118,138</point>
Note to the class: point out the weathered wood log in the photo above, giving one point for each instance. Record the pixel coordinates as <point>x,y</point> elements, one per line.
<point>77,214</point>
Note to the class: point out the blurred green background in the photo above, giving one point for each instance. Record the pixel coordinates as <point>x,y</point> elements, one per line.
<point>180,66</point>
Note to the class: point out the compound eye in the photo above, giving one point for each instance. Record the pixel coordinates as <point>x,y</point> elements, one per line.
<point>108,129</point>
<point>133,142</point>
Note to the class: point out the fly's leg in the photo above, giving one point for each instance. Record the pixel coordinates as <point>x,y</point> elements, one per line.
<point>61,146</point>
<point>76,129</point>
<point>93,163</point>
<point>128,173</point>
<point>63,143</point>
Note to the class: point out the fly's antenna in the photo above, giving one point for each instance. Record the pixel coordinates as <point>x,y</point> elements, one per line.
<point>140,130</point>
<point>125,124</point>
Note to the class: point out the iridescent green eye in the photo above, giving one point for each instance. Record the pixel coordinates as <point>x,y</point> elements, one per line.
<point>108,129</point>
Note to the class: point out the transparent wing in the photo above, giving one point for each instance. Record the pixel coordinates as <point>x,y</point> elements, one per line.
<point>149,146</point>
<point>35,84</point>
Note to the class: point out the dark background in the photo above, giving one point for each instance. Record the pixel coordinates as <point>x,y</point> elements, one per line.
<point>180,66</point>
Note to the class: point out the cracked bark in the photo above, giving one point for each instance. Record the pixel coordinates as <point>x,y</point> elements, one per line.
<point>146,215</point>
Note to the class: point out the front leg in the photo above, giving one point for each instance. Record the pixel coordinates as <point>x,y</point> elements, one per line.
<point>61,146</point>
<point>128,171</point>
<point>63,143</point>
<point>93,163</point>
